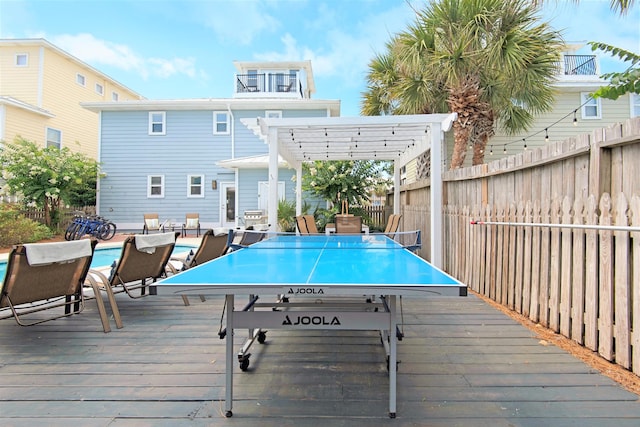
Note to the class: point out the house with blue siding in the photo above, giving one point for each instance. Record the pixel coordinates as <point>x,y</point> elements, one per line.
<point>174,157</point>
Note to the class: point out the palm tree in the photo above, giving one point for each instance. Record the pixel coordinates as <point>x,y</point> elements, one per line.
<point>490,61</point>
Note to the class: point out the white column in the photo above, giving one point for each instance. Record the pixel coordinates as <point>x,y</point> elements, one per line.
<point>396,187</point>
<point>299,189</point>
<point>437,137</point>
<point>272,204</point>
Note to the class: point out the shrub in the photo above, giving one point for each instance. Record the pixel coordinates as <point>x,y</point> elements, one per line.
<point>16,228</point>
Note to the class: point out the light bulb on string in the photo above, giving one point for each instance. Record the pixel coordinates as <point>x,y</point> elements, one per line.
<point>575,119</point>
<point>546,136</point>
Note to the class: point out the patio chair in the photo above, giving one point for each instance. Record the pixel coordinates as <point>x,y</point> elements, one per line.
<point>302,225</point>
<point>211,247</point>
<point>310,221</point>
<point>306,224</point>
<point>192,222</point>
<point>46,276</point>
<point>348,224</point>
<point>249,237</point>
<point>152,223</point>
<point>393,223</point>
<point>143,260</point>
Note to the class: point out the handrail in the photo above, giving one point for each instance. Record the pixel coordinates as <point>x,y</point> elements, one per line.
<point>578,226</point>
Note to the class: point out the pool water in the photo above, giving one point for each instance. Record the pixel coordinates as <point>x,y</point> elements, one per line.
<point>104,257</point>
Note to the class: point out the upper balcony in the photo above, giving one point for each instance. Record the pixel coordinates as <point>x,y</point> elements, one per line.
<point>579,65</point>
<point>292,80</point>
<point>271,83</point>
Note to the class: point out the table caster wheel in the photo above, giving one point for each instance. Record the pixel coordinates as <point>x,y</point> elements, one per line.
<point>228,414</point>
<point>262,337</point>
<point>392,414</point>
<point>244,362</point>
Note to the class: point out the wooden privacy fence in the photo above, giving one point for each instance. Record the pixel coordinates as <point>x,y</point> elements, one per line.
<point>572,265</point>
<point>560,242</point>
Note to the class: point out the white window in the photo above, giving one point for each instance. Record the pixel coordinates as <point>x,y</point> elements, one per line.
<point>114,96</point>
<point>54,138</point>
<point>155,186</point>
<point>99,89</point>
<point>220,122</point>
<point>635,104</point>
<point>272,114</point>
<point>22,60</point>
<point>80,79</point>
<point>157,123</point>
<point>591,108</point>
<point>195,186</point>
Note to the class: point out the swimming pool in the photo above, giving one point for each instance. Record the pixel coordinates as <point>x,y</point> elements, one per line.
<point>104,257</point>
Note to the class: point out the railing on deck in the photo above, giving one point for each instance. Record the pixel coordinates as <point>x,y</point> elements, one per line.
<point>276,82</point>
<point>579,65</point>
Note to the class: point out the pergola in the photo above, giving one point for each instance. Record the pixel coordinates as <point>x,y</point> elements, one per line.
<point>393,138</point>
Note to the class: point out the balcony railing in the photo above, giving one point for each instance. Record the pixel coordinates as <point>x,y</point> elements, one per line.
<point>271,83</point>
<point>579,65</point>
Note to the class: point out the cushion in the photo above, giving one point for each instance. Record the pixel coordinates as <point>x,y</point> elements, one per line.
<point>151,223</point>
<point>192,222</point>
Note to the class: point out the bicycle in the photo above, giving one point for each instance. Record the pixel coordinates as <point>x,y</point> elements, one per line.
<point>92,225</point>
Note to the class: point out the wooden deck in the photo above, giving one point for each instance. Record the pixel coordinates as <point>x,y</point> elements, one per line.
<point>462,363</point>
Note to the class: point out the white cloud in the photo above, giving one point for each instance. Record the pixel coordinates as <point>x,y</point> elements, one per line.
<point>238,21</point>
<point>343,52</point>
<point>98,52</point>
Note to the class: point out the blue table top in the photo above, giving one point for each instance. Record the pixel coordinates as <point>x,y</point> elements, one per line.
<point>356,262</point>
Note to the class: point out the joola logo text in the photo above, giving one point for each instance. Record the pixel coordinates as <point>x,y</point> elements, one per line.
<point>308,291</point>
<point>311,320</point>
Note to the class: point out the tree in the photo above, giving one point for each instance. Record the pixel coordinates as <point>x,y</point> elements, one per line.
<point>46,177</point>
<point>621,83</point>
<point>490,61</point>
<point>339,180</point>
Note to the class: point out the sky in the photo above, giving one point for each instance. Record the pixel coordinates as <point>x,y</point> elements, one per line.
<point>168,49</point>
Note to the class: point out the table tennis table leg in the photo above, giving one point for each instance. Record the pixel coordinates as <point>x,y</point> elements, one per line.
<point>228,398</point>
<point>392,356</point>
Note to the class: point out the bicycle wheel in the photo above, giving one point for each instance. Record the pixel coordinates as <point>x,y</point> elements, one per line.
<point>106,231</point>
<point>79,231</point>
<point>70,231</point>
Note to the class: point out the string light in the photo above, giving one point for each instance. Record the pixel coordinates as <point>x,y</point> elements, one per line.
<point>546,129</point>
<point>491,150</point>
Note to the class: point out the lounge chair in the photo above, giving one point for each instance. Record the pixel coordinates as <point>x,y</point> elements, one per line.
<point>348,224</point>
<point>152,223</point>
<point>192,222</point>
<point>211,247</point>
<point>248,237</point>
<point>302,225</point>
<point>143,260</point>
<point>44,276</point>
<point>307,224</point>
<point>393,223</point>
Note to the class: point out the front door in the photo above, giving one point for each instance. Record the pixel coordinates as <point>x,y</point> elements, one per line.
<point>227,205</point>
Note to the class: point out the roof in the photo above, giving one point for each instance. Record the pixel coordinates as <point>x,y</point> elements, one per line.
<point>8,100</point>
<point>331,106</point>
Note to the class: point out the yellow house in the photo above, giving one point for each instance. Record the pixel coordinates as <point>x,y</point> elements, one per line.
<point>41,88</point>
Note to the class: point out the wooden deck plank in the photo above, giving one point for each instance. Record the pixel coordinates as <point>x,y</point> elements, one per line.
<point>462,363</point>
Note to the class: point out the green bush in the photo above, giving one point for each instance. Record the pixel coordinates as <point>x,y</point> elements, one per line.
<point>16,228</point>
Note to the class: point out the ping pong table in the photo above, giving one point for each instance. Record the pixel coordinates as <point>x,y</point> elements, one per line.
<point>335,282</point>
